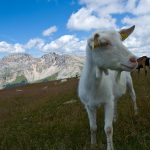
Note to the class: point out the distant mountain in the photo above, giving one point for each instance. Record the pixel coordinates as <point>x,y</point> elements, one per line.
<point>23,68</point>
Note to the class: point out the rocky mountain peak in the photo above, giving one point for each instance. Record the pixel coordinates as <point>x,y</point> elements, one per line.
<point>34,69</point>
<point>17,57</point>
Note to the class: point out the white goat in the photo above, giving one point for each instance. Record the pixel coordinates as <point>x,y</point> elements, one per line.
<point>102,80</point>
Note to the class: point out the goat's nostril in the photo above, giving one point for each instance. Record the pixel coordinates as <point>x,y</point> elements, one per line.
<point>133,60</point>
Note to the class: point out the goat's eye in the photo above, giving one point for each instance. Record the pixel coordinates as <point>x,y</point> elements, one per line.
<point>105,44</point>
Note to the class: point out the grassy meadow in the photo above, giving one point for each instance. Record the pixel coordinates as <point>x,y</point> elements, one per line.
<point>39,117</point>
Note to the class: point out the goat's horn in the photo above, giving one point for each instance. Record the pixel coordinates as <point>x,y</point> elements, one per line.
<point>126,32</point>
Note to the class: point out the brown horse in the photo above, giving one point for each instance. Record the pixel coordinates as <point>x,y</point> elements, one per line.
<point>143,62</point>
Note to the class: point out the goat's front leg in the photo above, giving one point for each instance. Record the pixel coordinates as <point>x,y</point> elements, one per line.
<point>92,121</point>
<point>109,112</point>
<point>115,111</point>
<point>133,96</point>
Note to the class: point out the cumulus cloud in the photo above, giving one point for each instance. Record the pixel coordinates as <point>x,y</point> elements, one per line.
<point>99,14</point>
<point>141,34</point>
<point>35,43</point>
<point>95,15</point>
<point>66,44</point>
<point>11,48</point>
<point>49,31</point>
<point>85,20</point>
<point>142,8</point>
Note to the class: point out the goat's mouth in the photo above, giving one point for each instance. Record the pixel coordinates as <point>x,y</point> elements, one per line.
<point>129,68</point>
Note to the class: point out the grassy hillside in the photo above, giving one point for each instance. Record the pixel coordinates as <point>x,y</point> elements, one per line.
<point>19,81</point>
<point>50,78</point>
<point>37,117</point>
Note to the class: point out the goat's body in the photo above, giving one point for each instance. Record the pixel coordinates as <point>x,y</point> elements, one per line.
<point>101,90</point>
<point>94,90</point>
<point>95,93</point>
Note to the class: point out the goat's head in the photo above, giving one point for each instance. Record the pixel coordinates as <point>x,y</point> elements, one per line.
<point>108,51</point>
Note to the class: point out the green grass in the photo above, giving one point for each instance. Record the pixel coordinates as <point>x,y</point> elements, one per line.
<point>38,119</point>
<point>19,79</point>
<point>50,78</point>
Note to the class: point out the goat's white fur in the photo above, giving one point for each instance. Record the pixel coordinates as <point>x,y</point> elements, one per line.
<point>100,85</point>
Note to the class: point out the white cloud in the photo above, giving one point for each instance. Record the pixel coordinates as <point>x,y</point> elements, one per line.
<point>68,44</point>
<point>142,8</point>
<point>141,33</point>
<point>35,43</point>
<point>132,42</point>
<point>49,31</point>
<point>95,15</point>
<point>11,48</point>
<point>85,20</point>
<point>65,44</point>
<point>98,14</point>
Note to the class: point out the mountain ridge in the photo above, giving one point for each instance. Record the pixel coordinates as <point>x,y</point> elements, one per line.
<point>34,69</point>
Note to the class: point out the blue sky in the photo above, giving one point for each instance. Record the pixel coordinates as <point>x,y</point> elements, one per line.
<point>41,26</point>
<point>24,19</point>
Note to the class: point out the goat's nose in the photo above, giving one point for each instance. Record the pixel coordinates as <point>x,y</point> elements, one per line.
<point>133,59</point>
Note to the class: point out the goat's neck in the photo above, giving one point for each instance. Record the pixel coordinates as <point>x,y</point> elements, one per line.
<point>91,69</point>
<point>93,74</point>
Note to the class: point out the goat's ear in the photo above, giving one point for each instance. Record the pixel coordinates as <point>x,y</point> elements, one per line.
<point>126,32</point>
<point>96,41</point>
